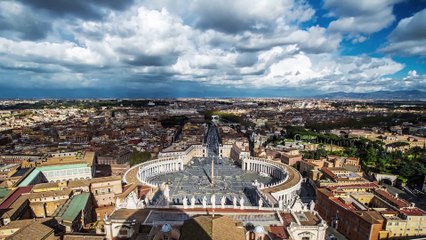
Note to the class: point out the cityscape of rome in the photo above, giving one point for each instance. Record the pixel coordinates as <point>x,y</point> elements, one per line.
<point>213,120</point>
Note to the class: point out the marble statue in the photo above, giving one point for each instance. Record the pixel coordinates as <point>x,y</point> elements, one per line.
<point>117,203</point>
<point>222,201</point>
<point>213,201</point>
<point>185,202</point>
<point>140,204</point>
<point>193,202</point>
<point>166,192</point>
<point>312,205</point>
<point>204,202</point>
<point>242,203</point>
<point>234,201</point>
<point>297,205</point>
<point>130,202</point>
<point>256,183</point>
<point>260,203</point>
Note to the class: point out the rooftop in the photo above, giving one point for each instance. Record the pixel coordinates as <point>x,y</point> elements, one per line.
<point>83,236</point>
<point>30,229</point>
<point>78,183</point>
<point>61,167</point>
<point>73,207</point>
<point>105,179</point>
<point>293,178</point>
<point>208,227</point>
<point>4,192</point>
<point>413,211</point>
<point>130,214</point>
<point>308,218</point>
<point>278,232</point>
<point>392,199</point>
<point>372,217</point>
<point>65,192</point>
<point>12,197</point>
<point>367,185</point>
<point>29,178</point>
<point>45,185</point>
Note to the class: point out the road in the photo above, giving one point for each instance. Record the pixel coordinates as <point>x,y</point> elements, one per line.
<point>212,141</point>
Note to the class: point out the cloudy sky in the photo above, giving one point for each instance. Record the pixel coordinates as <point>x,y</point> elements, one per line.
<point>196,48</point>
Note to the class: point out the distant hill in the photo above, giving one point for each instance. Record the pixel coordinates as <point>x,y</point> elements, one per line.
<point>388,95</point>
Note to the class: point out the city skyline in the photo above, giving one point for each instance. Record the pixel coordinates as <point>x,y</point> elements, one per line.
<point>202,49</point>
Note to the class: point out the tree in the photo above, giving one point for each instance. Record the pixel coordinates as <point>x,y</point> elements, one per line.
<point>139,157</point>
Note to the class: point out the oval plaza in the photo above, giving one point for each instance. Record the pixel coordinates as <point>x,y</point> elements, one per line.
<point>193,176</point>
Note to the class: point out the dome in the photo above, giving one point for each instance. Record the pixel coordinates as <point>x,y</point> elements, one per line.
<point>259,230</point>
<point>166,228</point>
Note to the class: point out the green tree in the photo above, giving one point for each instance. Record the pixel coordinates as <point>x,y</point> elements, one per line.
<point>139,157</point>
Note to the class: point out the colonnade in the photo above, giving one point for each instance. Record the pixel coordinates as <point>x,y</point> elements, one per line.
<point>282,191</point>
<point>157,167</point>
<point>286,189</point>
<point>264,166</point>
<point>286,197</point>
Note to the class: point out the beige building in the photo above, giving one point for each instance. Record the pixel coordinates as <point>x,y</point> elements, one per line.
<point>409,223</point>
<point>30,229</point>
<point>291,156</point>
<point>239,151</point>
<point>416,221</point>
<point>395,226</point>
<point>44,204</point>
<point>184,152</point>
<point>105,189</point>
<point>45,187</point>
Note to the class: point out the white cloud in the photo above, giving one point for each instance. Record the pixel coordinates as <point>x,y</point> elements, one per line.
<point>409,37</point>
<point>360,17</point>
<point>414,81</point>
<point>412,73</point>
<point>156,44</point>
<point>328,72</point>
<point>48,52</point>
<point>238,15</point>
<point>314,39</point>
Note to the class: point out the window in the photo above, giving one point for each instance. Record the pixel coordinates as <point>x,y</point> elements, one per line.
<point>123,232</point>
